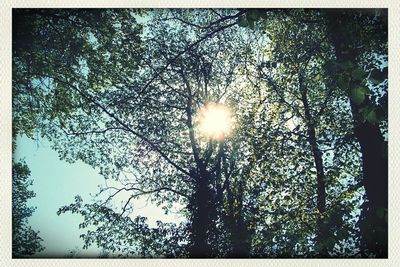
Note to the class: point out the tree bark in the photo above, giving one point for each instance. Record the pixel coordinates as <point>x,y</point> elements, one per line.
<point>201,207</point>
<point>239,234</point>
<point>374,162</point>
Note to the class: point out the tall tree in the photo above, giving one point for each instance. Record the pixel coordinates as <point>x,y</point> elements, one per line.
<point>138,118</point>
<point>356,36</point>
<point>129,100</point>
<point>295,61</point>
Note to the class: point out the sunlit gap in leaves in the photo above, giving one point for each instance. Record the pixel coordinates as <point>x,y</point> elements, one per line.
<point>215,121</point>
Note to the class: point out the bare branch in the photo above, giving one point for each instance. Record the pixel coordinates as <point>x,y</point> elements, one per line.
<point>140,193</point>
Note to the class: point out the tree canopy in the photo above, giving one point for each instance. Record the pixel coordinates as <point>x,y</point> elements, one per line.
<point>302,171</point>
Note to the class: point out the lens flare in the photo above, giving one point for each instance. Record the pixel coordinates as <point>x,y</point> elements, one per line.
<point>215,121</point>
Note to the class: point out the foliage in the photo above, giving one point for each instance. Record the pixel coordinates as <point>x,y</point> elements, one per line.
<point>126,236</point>
<point>121,90</point>
<point>283,67</point>
<point>25,240</point>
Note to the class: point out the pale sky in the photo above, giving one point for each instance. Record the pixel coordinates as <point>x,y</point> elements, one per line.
<point>56,183</point>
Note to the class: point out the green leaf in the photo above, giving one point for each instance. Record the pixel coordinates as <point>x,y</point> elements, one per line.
<point>342,82</point>
<point>358,74</point>
<point>372,117</point>
<point>253,15</point>
<point>357,95</point>
<point>251,24</point>
<point>242,22</point>
<point>370,114</point>
<point>364,89</point>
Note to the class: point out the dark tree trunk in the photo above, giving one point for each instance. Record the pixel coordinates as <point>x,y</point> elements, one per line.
<point>375,165</point>
<point>375,180</point>
<point>201,207</point>
<point>239,234</point>
<point>322,232</point>
<point>239,239</point>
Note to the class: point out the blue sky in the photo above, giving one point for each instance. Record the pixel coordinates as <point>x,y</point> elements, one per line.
<point>56,183</point>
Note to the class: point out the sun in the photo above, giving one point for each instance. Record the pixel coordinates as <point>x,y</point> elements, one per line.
<point>215,121</point>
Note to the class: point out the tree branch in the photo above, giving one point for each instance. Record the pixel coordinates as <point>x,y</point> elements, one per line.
<point>124,125</point>
<point>206,36</point>
<point>189,121</point>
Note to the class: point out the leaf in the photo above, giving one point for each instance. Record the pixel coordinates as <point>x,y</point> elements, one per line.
<point>263,14</point>
<point>253,15</point>
<point>374,81</point>
<point>370,114</point>
<point>342,82</point>
<point>357,95</point>
<point>372,117</point>
<point>242,22</point>
<point>358,74</point>
<point>378,76</point>
<point>251,24</point>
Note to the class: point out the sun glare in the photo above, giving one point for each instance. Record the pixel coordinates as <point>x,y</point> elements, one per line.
<point>215,121</point>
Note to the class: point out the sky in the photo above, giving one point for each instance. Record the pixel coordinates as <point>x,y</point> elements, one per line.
<point>56,183</point>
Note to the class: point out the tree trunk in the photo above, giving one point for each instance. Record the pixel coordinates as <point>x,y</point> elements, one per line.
<point>239,234</point>
<point>375,166</point>
<point>201,209</point>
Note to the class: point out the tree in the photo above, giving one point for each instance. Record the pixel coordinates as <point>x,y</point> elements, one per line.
<point>349,32</point>
<point>296,61</point>
<point>128,98</point>
<point>25,240</point>
<point>70,45</point>
<point>148,132</point>
<point>308,20</point>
